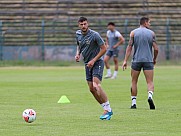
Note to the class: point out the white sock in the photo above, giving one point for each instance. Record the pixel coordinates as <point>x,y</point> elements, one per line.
<point>150,94</point>
<point>103,105</point>
<point>133,98</point>
<point>107,106</point>
<point>115,73</point>
<point>109,71</point>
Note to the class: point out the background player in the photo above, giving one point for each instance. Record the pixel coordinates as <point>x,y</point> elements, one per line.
<point>92,47</point>
<point>113,40</point>
<point>143,39</point>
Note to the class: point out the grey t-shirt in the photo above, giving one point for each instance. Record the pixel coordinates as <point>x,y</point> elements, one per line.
<point>113,38</point>
<point>143,43</point>
<point>89,44</point>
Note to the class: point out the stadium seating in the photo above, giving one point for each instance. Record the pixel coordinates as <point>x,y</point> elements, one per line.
<point>22,19</point>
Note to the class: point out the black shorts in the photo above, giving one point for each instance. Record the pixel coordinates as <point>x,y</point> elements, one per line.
<point>95,71</point>
<point>142,65</point>
<point>114,53</point>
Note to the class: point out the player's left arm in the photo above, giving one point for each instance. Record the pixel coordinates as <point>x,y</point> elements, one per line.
<point>99,55</point>
<point>155,47</point>
<point>121,40</point>
<point>77,55</point>
<point>107,44</point>
<point>103,48</point>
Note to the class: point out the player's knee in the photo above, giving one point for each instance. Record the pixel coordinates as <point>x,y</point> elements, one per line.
<point>96,86</point>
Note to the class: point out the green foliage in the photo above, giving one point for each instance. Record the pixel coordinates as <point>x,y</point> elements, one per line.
<point>40,89</point>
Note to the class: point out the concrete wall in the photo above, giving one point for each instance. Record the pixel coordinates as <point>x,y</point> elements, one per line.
<point>67,53</point>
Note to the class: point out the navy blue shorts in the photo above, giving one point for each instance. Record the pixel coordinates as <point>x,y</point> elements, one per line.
<point>142,65</point>
<point>95,71</point>
<point>114,53</point>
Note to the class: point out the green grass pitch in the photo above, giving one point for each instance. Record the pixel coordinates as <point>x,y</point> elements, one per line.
<point>40,88</point>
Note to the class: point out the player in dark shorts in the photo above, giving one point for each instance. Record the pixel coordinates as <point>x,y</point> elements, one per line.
<point>92,47</point>
<point>143,40</point>
<point>113,41</point>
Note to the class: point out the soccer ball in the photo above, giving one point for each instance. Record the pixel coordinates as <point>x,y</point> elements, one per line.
<point>29,115</point>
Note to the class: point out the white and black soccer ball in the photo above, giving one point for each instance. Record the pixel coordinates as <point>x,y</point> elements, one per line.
<point>29,115</point>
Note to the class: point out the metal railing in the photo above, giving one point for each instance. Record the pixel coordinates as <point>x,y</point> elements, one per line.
<point>62,33</point>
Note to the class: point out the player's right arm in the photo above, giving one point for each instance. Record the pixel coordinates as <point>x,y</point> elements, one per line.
<point>107,44</point>
<point>107,40</point>
<point>128,50</point>
<point>77,56</point>
<point>155,47</point>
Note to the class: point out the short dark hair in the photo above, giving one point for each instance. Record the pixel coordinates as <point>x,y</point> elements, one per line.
<point>143,20</point>
<point>111,23</point>
<point>82,19</point>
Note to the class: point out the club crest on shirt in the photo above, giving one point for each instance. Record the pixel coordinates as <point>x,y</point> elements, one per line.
<point>87,41</point>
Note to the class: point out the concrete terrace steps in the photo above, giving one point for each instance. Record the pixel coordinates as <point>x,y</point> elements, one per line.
<point>22,19</point>
<point>59,34</point>
<point>32,9</point>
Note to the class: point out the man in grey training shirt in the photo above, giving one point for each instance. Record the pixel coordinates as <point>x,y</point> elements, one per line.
<point>92,47</point>
<point>113,40</point>
<point>143,40</point>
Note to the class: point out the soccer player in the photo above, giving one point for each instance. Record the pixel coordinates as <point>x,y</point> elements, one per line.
<point>113,40</point>
<point>143,40</point>
<point>92,47</point>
